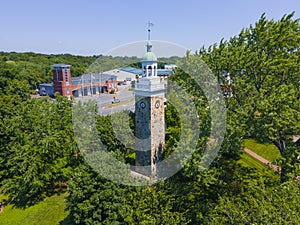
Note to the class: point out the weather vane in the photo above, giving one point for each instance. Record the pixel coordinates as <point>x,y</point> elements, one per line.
<point>149,26</point>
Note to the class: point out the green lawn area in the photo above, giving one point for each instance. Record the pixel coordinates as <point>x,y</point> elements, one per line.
<point>48,212</point>
<point>248,161</point>
<point>267,151</point>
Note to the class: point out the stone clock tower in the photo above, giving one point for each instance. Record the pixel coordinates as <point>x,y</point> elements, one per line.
<point>150,121</point>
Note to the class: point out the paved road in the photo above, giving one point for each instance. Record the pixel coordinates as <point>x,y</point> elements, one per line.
<point>104,100</point>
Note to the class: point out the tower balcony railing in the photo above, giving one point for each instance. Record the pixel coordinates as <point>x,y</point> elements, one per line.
<point>146,84</point>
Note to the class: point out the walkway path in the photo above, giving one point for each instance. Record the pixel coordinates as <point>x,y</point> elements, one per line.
<point>263,160</point>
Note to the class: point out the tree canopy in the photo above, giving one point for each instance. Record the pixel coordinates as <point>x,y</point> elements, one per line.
<point>263,62</point>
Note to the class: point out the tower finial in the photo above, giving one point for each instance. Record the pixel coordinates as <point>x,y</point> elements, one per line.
<point>149,30</point>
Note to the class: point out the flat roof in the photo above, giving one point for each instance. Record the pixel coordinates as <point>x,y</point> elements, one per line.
<point>93,77</point>
<point>131,70</point>
<point>60,65</point>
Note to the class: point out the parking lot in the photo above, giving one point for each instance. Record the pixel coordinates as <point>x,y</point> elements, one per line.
<point>104,100</point>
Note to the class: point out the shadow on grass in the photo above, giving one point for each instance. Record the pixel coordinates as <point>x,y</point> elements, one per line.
<point>67,221</point>
<point>23,201</point>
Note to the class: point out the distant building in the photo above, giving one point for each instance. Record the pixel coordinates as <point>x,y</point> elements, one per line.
<point>62,79</point>
<point>46,89</point>
<point>87,84</point>
<point>91,84</point>
<point>170,67</point>
<point>130,72</point>
<point>123,74</point>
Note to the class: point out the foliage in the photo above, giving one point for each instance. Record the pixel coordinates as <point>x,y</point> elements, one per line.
<point>94,200</point>
<point>263,205</point>
<point>263,62</point>
<point>38,152</point>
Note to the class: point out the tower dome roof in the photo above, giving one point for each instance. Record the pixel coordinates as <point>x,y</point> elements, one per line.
<point>149,56</point>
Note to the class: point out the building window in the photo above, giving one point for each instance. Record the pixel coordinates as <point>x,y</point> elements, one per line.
<point>144,71</point>
<point>66,76</point>
<point>149,71</point>
<point>56,71</point>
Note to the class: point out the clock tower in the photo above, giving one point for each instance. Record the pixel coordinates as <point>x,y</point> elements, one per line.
<point>150,121</point>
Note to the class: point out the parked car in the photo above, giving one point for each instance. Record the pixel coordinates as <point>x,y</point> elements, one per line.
<point>116,100</point>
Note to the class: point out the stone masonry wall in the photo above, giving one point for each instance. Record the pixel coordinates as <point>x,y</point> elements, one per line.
<point>150,129</point>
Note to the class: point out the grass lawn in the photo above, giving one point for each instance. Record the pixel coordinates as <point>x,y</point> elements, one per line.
<point>267,151</point>
<point>48,212</point>
<point>248,161</point>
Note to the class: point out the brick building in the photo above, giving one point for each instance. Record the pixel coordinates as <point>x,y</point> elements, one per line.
<point>87,84</point>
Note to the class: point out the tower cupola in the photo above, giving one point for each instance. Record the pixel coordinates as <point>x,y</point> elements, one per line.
<point>149,60</point>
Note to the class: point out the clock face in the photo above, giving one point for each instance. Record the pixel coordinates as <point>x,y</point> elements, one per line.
<point>157,104</point>
<point>142,105</point>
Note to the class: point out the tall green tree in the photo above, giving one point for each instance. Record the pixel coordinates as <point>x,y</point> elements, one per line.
<point>38,150</point>
<point>263,60</point>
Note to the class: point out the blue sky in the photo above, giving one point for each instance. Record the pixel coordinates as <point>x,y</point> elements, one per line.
<point>94,26</point>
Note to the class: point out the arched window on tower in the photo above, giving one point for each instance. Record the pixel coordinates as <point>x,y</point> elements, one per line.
<point>144,71</point>
<point>149,71</point>
<point>155,71</point>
